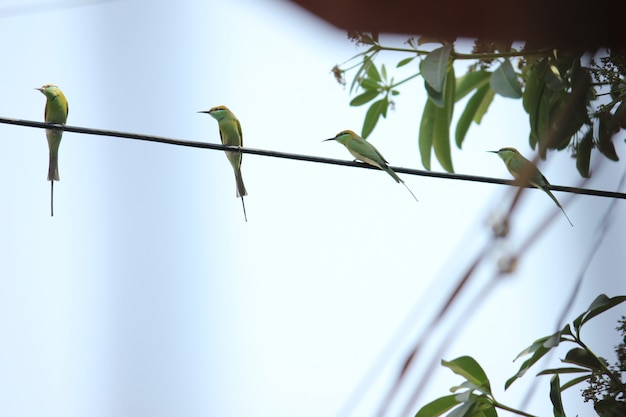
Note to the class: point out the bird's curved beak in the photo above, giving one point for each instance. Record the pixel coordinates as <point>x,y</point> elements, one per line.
<point>326,140</point>
<point>38,89</point>
<point>204,111</point>
<point>492,151</point>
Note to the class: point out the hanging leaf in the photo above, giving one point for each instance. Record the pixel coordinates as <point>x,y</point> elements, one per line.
<point>377,109</point>
<point>605,137</point>
<point>470,81</point>
<point>583,153</point>
<point>476,107</point>
<point>443,120</point>
<point>555,397</point>
<point>427,132</point>
<point>504,81</point>
<point>435,67</point>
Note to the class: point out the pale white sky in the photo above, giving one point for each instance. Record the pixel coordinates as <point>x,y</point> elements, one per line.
<point>148,295</point>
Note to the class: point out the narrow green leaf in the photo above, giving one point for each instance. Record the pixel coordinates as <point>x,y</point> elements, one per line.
<point>470,81</point>
<point>584,358</point>
<point>484,105</point>
<point>373,114</point>
<point>504,81</point>
<point>427,132</point>
<point>539,348</point>
<point>436,96</point>
<point>467,367</point>
<point>372,72</point>
<point>365,97</point>
<point>383,70</point>
<point>360,74</point>
<point>601,304</point>
<point>369,84</point>
<point>583,153</point>
<point>438,407</point>
<point>470,113</point>
<point>443,119</point>
<point>405,61</point>
<point>575,381</point>
<point>555,397</point>
<point>434,67</point>
<point>605,137</point>
<point>563,371</point>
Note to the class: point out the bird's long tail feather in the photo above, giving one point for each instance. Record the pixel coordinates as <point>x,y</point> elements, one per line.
<point>51,198</point>
<point>547,190</point>
<point>241,188</point>
<point>245,216</point>
<point>407,187</point>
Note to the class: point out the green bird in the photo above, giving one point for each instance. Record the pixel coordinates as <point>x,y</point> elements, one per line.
<point>366,152</point>
<point>522,169</point>
<point>230,134</point>
<point>55,112</point>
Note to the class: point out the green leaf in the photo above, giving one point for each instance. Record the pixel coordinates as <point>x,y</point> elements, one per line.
<point>532,95</point>
<point>539,348</point>
<point>575,381</point>
<point>504,81</point>
<point>555,397</point>
<point>435,67</point>
<point>427,132</point>
<point>436,96</point>
<point>384,72</point>
<point>470,81</point>
<point>372,72</point>
<point>467,367</point>
<point>584,358</point>
<point>562,371</point>
<point>377,109</point>
<point>605,137</point>
<point>369,84</point>
<point>601,304</point>
<point>474,111</point>
<point>438,407</point>
<point>583,153</point>
<point>443,119</point>
<point>405,61</point>
<point>365,97</point>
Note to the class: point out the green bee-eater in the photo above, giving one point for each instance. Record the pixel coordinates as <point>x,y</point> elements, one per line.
<point>366,152</point>
<point>522,169</point>
<point>230,134</point>
<point>55,112</point>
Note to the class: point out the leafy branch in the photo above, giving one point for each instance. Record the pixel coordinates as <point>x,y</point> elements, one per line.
<point>606,390</point>
<point>563,92</point>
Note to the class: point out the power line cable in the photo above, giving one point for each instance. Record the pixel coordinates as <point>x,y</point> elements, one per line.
<point>297,157</point>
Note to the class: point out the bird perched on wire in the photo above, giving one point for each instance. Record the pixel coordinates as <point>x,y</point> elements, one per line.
<point>56,111</point>
<point>524,170</point>
<point>230,134</point>
<point>366,152</point>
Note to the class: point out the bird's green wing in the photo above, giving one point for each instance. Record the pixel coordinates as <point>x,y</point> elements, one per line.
<point>362,147</point>
<point>239,130</point>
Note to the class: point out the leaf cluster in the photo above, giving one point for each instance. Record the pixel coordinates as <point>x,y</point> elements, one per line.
<point>606,387</point>
<point>572,101</point>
